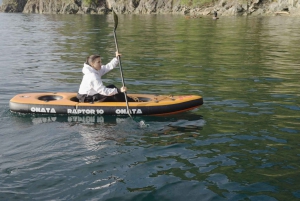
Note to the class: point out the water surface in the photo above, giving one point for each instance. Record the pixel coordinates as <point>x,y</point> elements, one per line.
<point>242,144</point>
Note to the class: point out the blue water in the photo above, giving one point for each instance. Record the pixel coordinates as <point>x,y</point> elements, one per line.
<point>242,144</point>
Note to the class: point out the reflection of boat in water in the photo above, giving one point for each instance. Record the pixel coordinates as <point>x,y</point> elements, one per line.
<point>95,129</point>
<point>67,103</point>
<point>186,117</point>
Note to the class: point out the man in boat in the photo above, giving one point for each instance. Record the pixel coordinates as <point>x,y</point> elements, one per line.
<point>92,88</point>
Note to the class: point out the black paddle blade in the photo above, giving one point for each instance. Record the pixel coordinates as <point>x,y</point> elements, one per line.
<point>115,19</point>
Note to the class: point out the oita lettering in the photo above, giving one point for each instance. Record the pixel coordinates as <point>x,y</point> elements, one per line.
<point>42,110</point>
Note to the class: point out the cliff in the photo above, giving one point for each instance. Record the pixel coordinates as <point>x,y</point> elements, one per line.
<point>185,7</point>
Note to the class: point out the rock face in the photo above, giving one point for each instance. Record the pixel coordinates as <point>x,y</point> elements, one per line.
<point>192,8</point>
<point>11,6</point>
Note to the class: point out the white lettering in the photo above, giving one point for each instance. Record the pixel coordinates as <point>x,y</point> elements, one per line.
<point>100,111</point>
<point>42,110</point>
<point>84,111</point>
<point>132,111</point>
<point>121,111</point>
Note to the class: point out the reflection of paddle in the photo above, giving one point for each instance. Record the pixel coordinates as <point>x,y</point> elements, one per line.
<point>119,58</point>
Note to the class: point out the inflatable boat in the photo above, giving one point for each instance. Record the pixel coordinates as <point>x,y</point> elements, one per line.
<point>67,103</point>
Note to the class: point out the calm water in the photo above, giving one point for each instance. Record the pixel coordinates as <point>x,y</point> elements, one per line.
<point>242,144</point>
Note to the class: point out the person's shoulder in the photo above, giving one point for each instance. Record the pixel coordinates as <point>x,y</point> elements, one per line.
<point>92,75</point>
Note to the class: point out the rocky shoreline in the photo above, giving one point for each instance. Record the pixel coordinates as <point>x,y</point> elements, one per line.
<point>192,8</point>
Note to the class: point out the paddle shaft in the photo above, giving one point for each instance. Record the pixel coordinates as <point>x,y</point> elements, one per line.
<point>119,59</point>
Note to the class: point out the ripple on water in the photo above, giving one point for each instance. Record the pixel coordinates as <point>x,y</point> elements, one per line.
<point>242,144</point>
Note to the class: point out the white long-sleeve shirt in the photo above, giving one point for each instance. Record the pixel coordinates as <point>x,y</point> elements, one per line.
<point>91,82</point>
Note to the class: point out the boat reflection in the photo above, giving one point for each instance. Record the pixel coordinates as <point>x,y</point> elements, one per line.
<point>82,119</point>
<point>180,122</point>
<point>97,131</point>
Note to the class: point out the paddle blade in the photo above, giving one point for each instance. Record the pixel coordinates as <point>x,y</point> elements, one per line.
<point>115,19</point>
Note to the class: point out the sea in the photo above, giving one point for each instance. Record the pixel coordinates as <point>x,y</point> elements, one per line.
<point>241,144</point>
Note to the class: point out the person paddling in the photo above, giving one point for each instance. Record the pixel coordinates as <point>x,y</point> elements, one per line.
<point>92,89</point>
